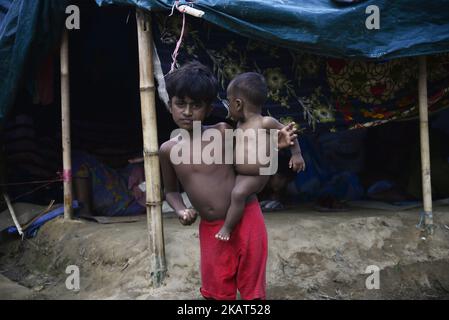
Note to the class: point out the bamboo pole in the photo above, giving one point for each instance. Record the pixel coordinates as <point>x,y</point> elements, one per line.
<point>65,122</point>
<point>13,214</point>
<point>425,149</point>
<point>151,148</point>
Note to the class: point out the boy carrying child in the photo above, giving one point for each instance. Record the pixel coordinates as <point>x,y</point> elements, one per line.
<point>226,266</point>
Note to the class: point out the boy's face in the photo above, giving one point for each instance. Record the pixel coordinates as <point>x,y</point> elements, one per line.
<point>235,105</point>
<point>185,110</point>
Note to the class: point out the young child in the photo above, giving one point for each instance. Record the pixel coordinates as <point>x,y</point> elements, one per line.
<point>226,267</point>
<point>247,93</point>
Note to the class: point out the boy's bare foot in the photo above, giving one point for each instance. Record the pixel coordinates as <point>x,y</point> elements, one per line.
<point>224,234</point>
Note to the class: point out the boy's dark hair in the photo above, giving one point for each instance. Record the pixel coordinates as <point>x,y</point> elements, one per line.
<point>193,80</point>
<point>252,86</point>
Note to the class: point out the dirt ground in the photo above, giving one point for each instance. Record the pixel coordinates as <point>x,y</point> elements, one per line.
<point>312,255</point>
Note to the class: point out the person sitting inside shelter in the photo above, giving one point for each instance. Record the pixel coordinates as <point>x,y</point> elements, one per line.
<point>106,191</point>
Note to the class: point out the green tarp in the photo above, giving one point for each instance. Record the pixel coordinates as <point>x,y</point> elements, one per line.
<point>28,28</point>
<point>327,27</point>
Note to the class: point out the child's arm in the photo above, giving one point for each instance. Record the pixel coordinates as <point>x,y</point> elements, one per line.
<point>296,161</point>
<point>286,133</point>
<point>171,190</point>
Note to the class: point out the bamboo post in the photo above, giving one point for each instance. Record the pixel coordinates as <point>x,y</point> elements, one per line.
<point>425,149</point>
<point>13,214</point>
<point>151,148</point>
<point>65,122</point>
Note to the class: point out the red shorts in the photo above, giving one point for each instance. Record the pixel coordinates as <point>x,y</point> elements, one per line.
<point>238,264</point>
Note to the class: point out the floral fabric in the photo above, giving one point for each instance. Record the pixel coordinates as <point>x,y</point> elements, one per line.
<point>315,91</point>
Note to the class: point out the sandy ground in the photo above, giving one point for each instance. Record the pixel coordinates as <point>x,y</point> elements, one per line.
<point>311,256</point>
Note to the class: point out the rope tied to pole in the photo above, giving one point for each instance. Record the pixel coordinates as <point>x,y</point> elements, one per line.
<point>42,184</point>
<point>33,191</point>
<point>178,44</point>
<point>154,203</point>
<point>31,182</point>
<point>151,153</point>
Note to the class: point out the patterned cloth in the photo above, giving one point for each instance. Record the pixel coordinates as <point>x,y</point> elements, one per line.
<point>111,195</point>
<point>317,92</point>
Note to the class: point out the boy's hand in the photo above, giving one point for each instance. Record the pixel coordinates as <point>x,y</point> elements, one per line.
<point>287,135</point>
<point>187,216</point>
<point>297,163</point>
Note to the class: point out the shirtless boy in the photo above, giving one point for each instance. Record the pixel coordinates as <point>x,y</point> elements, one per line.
<point>238,264</point>
<point>247,93</point>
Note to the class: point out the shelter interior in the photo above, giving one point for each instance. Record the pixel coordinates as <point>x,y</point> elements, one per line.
<point>379,163</point>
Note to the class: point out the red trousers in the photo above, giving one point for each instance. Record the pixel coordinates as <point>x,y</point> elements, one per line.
<point>238,264</point>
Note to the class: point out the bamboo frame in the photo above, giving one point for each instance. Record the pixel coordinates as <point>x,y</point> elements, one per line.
<point>65,123</point>
<point>151,148</point>
<point>425,147</point>
<point>13,214</point>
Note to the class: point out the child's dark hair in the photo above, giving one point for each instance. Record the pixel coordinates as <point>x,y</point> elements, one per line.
<point>252,86</point>
<point>193,80</point>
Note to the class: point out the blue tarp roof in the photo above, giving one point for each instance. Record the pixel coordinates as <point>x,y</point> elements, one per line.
<point>325,27</point>
<point>328,27</point>
<point>28,29</point>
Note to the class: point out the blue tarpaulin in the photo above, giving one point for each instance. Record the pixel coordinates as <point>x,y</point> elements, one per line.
<point>28,28</point>
<point>31,231</point>
<point>328,27</point>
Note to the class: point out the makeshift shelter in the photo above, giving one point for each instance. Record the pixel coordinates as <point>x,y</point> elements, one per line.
<point>331,93</point>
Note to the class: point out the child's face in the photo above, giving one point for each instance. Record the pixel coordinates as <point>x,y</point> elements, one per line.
<point>235,105</point>
<point>184,111</point>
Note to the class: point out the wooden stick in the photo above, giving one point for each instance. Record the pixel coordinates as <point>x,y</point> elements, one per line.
<point>13,214</point>
<point>65,118</point>
<point>191,11</point>
<point>425,149</point>
<point>151,148</point>
<point>40,214</point>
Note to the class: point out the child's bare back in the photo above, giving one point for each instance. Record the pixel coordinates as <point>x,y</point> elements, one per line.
<point>247,94</point>
<point>255,145</point>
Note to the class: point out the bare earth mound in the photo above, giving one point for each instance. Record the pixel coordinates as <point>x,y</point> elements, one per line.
<point>311,256</point>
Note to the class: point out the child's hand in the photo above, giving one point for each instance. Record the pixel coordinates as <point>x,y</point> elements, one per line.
<point>187,216</point>
<point>297,163</point>
<point>287,135</point>
<point>224,234</point>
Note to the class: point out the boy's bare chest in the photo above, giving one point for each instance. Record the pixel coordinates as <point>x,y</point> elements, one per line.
<point>204,156</point>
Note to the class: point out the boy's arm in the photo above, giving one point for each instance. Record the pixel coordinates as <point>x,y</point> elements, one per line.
<point>171,190</point>
<point>296,162</point>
